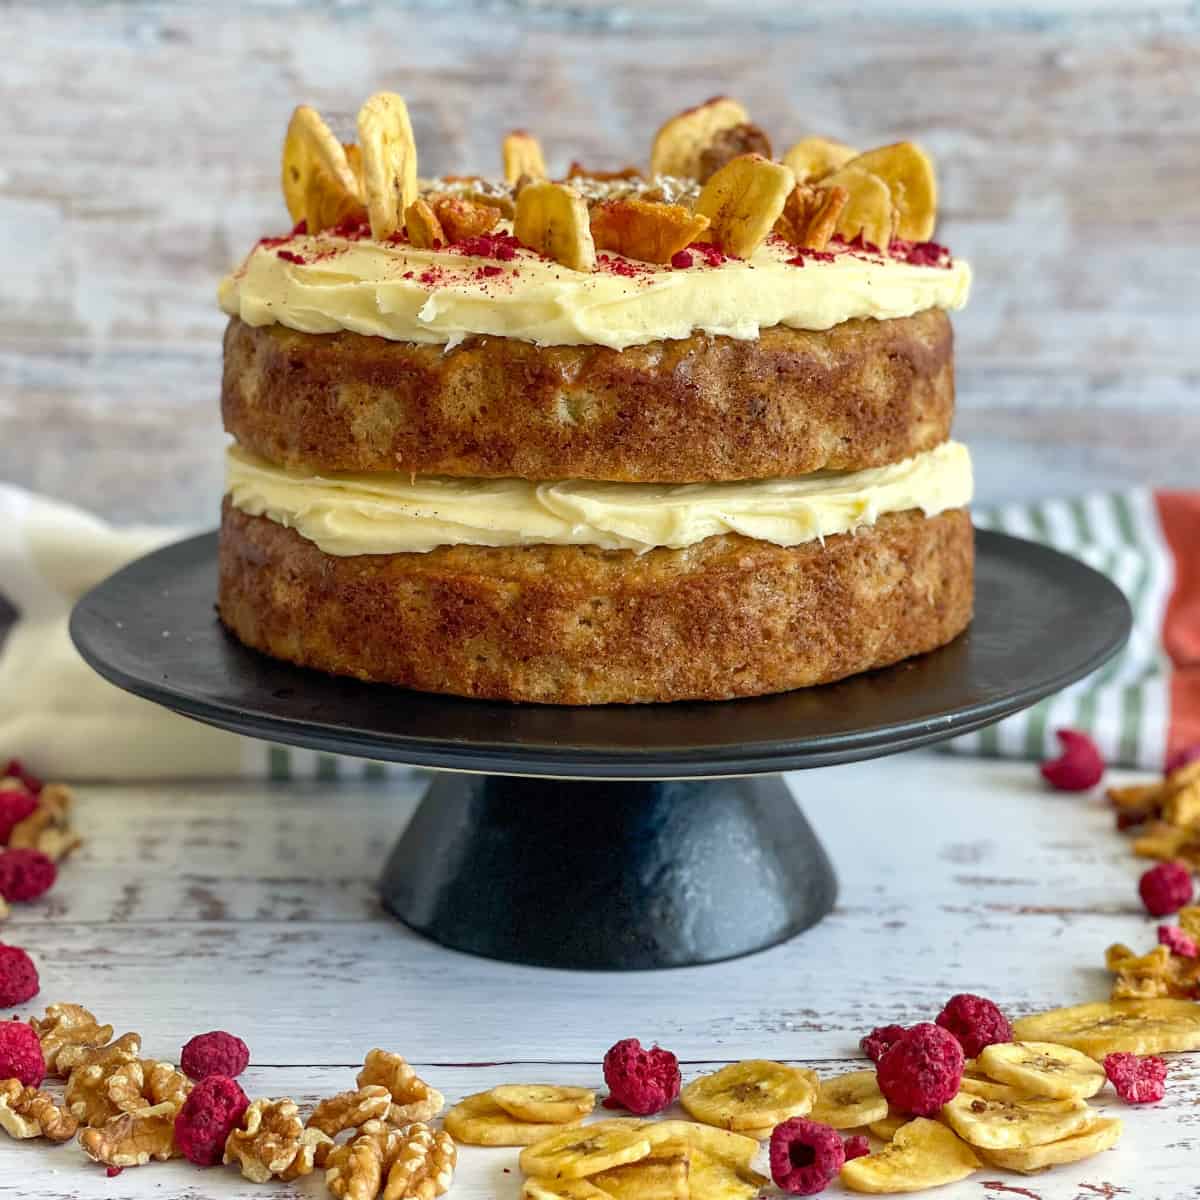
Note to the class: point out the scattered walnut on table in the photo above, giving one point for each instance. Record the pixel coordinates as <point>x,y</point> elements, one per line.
<point>273,1142</point>
<point>28,1112</point>
<point>48,828</point>
<point>424,1166</point>
<point>146,1084</point>
<point>412,1098</point>
<point>132,1139</point>
<point>348,1110</point>
<point>68,1025</point>
<point>90,1070</point>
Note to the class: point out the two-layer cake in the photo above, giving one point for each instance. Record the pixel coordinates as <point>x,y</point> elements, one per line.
<point>616,438</point>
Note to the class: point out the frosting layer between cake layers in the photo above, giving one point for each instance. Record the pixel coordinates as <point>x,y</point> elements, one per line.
<point>328,283</point>
<point>350,514</point>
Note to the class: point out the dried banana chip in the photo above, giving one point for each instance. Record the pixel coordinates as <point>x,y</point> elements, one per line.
<point>553,220</point>
<point>643,230</point>
<point>424,230</point>
<point>886,1129</point>
<point>1097,1135</point>
<point>750,1095</point>
<point>1001,1125</point>
<point>868,210</point>
<point>561,1189</point>
<point>688,1137</point>
<point>309,146</point>
<point>522,154</point>
<point>990,1090</point>
<point>544,1102</point>
<point>710,1178</point>
<point>813,158</point>
<point>680,142</point>
<point>1043,1069</point>
<point>653,1178</point>
<point>479,1121</point>
<point>743,201</point>
<point>849,1101</point>
<point>908,172</point>
<point>577,1153</point>
<point>1135,1026</point>
<point>389,160</point>
<point>923,1154</point>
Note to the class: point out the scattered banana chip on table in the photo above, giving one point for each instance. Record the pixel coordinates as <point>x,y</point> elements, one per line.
<point>735,1149</point>
<point>848,1101</point>
<point>389,161</point>
<point>990,1090</point>
<point>1000,1125</point>
<point>887,1128</point>
<point>578,1153</point>
<point>710,1178</point>
<point>813,158</point>
<point>561,1189</point>
<point>479,1120</point>
<point>545,1103</point>
<point>653,1178</point>
<point>743,200</point>
<point>1100,1134</point>
<point>681,141</point>
<point>1107,1027</point>
<point>1043,1069</point>
<point>750,1095</point>
<point>923,1154</point>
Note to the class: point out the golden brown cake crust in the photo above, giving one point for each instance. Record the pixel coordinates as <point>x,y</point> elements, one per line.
<point>727,617</point>
<point>861,394</point>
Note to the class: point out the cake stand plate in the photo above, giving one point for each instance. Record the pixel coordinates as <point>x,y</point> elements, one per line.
<point>622,836</point>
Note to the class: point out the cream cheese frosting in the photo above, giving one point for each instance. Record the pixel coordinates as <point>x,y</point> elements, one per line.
<point>328,282</point>
<point>348,514</point>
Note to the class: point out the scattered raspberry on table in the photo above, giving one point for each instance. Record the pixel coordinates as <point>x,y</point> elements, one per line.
<point>209,1115</point>
<point>215,1053</point>
<point>643,1081</point>
<point>1137,1080</point>
<point>1080,765</point>
<point>18,977</point>
<point>922,1071</point>
<point>975,1021</point>
<point>1166,888</point>
<point>21,1053</point>
<point>805,1156</point>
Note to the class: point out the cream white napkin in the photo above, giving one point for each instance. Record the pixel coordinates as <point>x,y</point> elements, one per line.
<point>56,712</point>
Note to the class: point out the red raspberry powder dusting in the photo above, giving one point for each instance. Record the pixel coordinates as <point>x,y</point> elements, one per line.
<point>805,1156</point>
<point>922,1071</point>
<point>856,1146</point>
<point>16,769</point>
<point>21,1053</point>
<point>1137,1080</point>
<point>215,1053</point>
<point>1080,765</point>
<point>1177,941</point>
<point>18,977</point>
<point>25,874</point>
<point>1166,888</point>
<point>15,805</point>
<point>208,1116</point>
<point>643,1081</point>
<point>880,1040</point>
<point>975,1021</point>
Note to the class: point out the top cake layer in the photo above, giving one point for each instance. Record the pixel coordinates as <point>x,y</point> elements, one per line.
<point>491,285</point>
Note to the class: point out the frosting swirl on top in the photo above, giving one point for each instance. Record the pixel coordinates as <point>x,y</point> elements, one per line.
<point>331,282</point>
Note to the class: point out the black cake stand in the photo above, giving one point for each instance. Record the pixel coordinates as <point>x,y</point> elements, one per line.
<point>621,836</point>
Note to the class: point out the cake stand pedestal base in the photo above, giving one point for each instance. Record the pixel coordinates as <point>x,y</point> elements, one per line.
<point>608,874</point>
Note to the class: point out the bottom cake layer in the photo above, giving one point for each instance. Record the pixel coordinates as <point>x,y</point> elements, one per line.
<point>727,617</point>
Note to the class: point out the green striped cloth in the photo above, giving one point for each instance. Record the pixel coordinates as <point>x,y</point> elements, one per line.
<point>287,762</point>
<point>1125,706</point>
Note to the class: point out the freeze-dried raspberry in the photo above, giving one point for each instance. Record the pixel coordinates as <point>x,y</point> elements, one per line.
<point>216,1053</point>
<point>1177,941</point>
<point>643,1081</point>
<point>208,1116</point>
<point>856,1146</point>
<point>1166,888</point>
<point>922,1071</point>
<point>18,977</point>
<point>1184,756</point>
<point>16,770</point>
<point>25,874</point>
<point>1079,767</point>
<point>15,805</point>
<point>879,1040</point>
<point>21,1053</point>
<point>975,1021</point>
<point>1137,1080</point>
<point>805,1156</point>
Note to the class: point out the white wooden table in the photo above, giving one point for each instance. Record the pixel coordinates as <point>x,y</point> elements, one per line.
<point>252,908</point>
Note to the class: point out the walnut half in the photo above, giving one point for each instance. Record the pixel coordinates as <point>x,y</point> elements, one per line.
<point>412,1098</point>
<point>273,1142</point>
<point>27,1112</point>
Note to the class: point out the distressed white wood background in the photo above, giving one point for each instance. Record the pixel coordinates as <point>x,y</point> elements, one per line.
<point>141,159</point>
<point>252,908</point>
